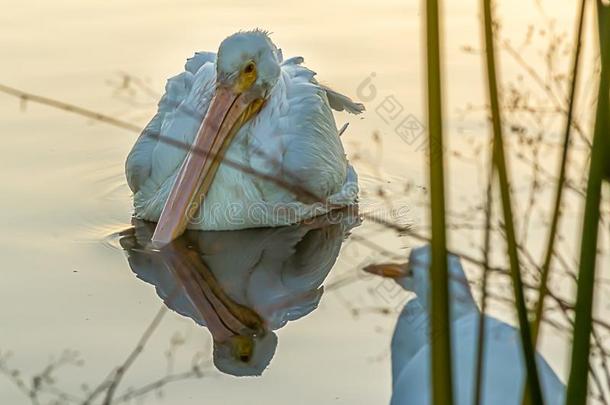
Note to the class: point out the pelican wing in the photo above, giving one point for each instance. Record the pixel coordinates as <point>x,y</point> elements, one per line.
<point>295,137</point>
<point>139,161</point>
<point>337,101</point>
<point>199,59</point>
<point>340,102</point>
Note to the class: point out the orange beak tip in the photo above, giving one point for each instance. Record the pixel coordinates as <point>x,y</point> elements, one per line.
<point>388,270</point>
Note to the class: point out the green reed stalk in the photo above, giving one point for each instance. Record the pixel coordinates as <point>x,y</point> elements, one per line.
<point>440,334</point>
<point>562,171</point>
<point>604,45</point>
<point>481,328</point>
<point>499,159</point>
<point>579,370</point>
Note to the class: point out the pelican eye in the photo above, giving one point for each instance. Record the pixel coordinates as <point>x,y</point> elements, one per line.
<point>249,67</point>
<point>247,77</point>
<point>242,348</point>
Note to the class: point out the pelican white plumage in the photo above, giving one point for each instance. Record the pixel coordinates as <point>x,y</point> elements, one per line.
<point>270,118</point>
<point>503,364</point>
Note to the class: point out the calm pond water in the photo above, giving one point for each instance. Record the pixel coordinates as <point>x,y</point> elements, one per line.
<point>73,276</point>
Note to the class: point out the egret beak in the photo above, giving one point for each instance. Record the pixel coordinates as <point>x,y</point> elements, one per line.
<point>389,270</point>
<point>228,111</point>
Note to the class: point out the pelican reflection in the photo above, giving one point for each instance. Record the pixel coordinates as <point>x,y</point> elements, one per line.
<point>241,285</point>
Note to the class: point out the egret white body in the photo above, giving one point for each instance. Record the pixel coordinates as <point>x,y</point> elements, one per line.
<point>503,363</point>
<point>293,138</point>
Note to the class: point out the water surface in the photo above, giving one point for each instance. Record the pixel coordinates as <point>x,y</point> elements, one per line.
<point>67,282</point>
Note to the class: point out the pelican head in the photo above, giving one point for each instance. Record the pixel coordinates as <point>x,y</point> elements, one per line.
<point>247,63</point>
<point>244,356</point>
<point>247,68</point>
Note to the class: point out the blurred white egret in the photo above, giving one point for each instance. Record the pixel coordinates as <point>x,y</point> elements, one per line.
<point>503,364</point>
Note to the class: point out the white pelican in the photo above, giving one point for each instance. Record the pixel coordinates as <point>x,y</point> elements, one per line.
<point>246,106</point>
<point>241,285</point>
<point>503,368</point>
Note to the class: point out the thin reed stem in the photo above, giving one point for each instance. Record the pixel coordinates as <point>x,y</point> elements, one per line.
<point>560,182</point>
<point>479,380</point>
<point>583,323</point>
<point>499,159</point>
